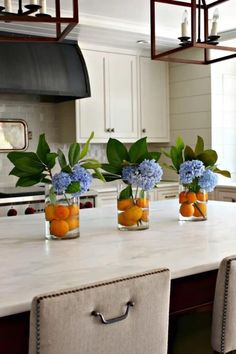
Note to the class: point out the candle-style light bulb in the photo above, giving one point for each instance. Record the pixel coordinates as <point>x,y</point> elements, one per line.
<point>214,28</point>
<point>184,24</point>
<point>8,5</point>
<point>43,5</point>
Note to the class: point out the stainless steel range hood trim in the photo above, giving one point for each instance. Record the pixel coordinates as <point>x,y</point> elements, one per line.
<point>55,72</point>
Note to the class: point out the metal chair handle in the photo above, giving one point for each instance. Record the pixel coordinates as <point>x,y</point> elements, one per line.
<point>115,319</point>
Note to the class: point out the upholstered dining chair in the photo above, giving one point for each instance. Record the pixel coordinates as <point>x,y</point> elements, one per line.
<point>224,310</point>
<point>126,315</point>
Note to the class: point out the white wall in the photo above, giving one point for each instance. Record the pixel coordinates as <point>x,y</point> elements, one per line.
<point>224,114</point>
<point>190,104</point>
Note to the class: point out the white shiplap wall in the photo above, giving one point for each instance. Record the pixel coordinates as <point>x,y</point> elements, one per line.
<point>224,114</point>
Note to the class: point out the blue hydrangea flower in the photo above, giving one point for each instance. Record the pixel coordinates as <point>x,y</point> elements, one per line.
<point>189,170</point>
<point>60,182</point>
<point>80,174</point>
<point>145,176</point>
<point>208,180</point>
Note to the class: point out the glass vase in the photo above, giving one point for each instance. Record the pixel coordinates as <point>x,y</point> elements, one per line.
<point>62,216</point>
<point>132,208</point>
<point>192,205</point>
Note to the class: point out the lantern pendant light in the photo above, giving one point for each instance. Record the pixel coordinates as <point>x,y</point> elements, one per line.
<point>198,44</point>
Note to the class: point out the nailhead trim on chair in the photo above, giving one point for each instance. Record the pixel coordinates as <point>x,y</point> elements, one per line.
<point>81,289</point>
<point>226,293</point>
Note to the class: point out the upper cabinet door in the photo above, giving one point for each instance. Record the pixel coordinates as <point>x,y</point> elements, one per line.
<point>154,95</point>
<point>91,113</point>
<point>111,111</point>
<point>123,96</point>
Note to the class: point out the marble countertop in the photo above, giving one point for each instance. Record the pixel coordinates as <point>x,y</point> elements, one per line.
<point>30,265</point>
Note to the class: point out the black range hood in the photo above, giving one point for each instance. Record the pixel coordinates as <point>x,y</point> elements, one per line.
<point>54,71</point>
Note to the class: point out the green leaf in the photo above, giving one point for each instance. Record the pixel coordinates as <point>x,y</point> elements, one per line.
<point>18,173</point>
<point>67,169</point>
<point>138,151</point>
<point>224,173</point>
<point>175,157</point>
<point>166,153</point>
<point>61,159</point>
<point>154,155</point>
<point>43,148</point>
<point>199,148</point>
<point>86,147</point>
<point>13,156</point>
<point>98,175</point>
<point>90,164</point>
<point>126,193</point>
<point>110,177</point>
<point>29,165</point>
<point>109,168</point>
<point>179,144</point>
<point>74,154</point>
<point>116,152</point>
<point>52,195</point>
<point>189,153</point>
<point>170,167</point>
<point>51,159</point>
<point>46,180</point>
<point>28,181</point>
<point>208,157</point>
<point>74,187</point>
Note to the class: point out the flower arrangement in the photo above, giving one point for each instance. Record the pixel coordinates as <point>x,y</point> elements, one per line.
<point>140,172</point>
<point>197,171</point>
<point>73,179</point>
<point>32,168</point>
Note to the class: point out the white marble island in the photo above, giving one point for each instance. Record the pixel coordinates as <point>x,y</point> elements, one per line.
<point>30,265</point>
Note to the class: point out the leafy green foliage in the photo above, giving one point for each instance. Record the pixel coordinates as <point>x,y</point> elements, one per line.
<point>119,156</point>
<point>126,193</point>
<point>32,168</point>
<point>181,152</point>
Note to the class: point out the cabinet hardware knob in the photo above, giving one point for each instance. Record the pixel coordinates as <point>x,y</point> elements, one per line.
<point>143,130</point>
<point>108,130</point>
<point>115,319</point>
<point>113,130</point>
<point>170,196</point>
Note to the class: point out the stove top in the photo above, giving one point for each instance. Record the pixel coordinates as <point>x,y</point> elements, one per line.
<point>9,192</point>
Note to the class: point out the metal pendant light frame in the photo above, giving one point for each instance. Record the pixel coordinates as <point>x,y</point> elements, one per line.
<point>58,21</point>
<point>205,45</point>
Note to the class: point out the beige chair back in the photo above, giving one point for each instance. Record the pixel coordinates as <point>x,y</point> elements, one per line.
<point>136,308</point>
<point>224,310</point>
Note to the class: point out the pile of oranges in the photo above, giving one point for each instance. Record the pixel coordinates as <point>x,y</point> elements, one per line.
<point>193,204</point>
<point>62,218</point>
<point>133,212</point>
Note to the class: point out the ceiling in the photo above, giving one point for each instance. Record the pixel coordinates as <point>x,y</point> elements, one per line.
<point>124,22</point>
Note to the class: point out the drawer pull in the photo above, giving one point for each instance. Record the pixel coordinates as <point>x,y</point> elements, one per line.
<point>170,196</point>
<point>115,319</point>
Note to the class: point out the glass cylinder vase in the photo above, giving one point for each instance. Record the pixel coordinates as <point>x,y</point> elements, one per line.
<point>192,204</point>
<point>62,215</point>
<point>132,208</point>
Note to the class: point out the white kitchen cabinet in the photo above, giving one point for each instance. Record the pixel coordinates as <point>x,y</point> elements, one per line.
<point>225,194</point>
<point>154,100</point>
<point>166,193</point>
<point>111,111</point>
<point>106,198</point>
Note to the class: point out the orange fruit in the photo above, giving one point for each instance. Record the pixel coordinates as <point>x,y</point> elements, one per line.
<point>182,197</point>
<point>123,221</point>
<point>61,212</point>
<point>123,204</point>
<point>191,197</point>
<point>73,209</point>
<point>200,210</point>
<point>59,228</point>
<point>73,222</point>
<point>142,202</point>
<point>145,216</point>
<point>202,196</point>
<point>186,209</point>
<point>49,212</point>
